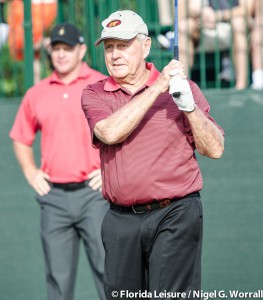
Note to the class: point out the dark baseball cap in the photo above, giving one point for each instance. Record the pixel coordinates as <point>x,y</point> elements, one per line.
<point>66,33</point>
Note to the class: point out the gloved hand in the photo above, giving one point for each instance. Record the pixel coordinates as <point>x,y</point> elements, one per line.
<point>185,101</point>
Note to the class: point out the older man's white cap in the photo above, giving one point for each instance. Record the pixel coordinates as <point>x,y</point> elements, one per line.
<point>122,25</point>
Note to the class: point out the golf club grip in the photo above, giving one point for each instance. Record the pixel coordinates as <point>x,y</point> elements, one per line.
<point>176,48</point>
<point>176,56</point>
<point>176,52</point>
<point>176,95</point>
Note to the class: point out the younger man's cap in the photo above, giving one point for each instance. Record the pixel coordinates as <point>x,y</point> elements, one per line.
<point>122,25</point>
<point>66,33</point>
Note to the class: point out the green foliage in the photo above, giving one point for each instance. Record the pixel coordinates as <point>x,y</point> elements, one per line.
<point>87,15</point>
<point>11,75</point>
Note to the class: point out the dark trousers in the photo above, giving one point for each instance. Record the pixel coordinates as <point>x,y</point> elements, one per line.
<point>67,217</point>
<point>155,251</point>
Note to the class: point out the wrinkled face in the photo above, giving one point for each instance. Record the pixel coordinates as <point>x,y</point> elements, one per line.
<point>65,58</point>
<point>126,59</point>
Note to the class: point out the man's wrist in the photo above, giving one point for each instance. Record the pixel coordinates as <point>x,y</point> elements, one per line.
<point>191,108</point>
<point>30,172</point>
<point>156,89</point>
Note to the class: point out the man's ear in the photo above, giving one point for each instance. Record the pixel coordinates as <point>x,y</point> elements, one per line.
<point>83,50</point>
<point>147,46</point>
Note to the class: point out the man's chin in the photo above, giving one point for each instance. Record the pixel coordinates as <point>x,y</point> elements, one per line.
<point>119,75</point>
<point>63,72</point>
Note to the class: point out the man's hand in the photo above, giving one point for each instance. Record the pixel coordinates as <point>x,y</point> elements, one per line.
<point>95,180</point>
<point>162,83</point>
<point>38,180</point>
<point>35,176</point>
<point>179,84</point>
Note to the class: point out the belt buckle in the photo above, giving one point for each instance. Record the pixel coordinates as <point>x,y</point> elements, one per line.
<point>165,203</point>
<point>136,212</point>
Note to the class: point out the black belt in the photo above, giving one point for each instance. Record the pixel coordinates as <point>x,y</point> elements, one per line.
<point>69,186</point>
<point>142,208</point>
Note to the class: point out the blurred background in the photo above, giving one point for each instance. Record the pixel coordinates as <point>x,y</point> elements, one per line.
<point>233,208</point>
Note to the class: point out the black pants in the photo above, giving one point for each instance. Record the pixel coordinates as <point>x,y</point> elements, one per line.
<point>157,251</point>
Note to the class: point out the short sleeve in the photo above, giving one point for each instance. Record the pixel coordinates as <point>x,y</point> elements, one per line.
<point>25,125</point>
<point>95,109</point>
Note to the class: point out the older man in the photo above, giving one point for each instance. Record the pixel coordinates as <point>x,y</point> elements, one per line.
<point>153,232</point>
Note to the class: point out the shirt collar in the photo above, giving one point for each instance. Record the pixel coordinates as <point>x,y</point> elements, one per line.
<point>85,71</point>
<point>111,85</point>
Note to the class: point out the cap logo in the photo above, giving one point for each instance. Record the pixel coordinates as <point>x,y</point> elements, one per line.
<point>113,23</point>
<point>61,31</point>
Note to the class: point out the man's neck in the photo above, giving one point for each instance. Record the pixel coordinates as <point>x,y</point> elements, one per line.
<point>134,84</point>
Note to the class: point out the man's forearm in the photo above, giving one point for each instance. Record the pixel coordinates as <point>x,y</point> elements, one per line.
<point>209,141</point>
<point>25,157</point>
<point>118,126</point>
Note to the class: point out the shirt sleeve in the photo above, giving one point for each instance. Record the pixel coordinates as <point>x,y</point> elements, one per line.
<point>25,125</point>
<point>203,105</point>
<point>95,109</point>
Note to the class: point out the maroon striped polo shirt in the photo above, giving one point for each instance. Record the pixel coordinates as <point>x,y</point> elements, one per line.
<point>157,159</point>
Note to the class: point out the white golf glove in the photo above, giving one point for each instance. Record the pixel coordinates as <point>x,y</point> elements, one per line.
<point>185,101</point>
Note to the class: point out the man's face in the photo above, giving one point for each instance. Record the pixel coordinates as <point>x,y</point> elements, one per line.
<point>65,58</point>
<point>125,59</point>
